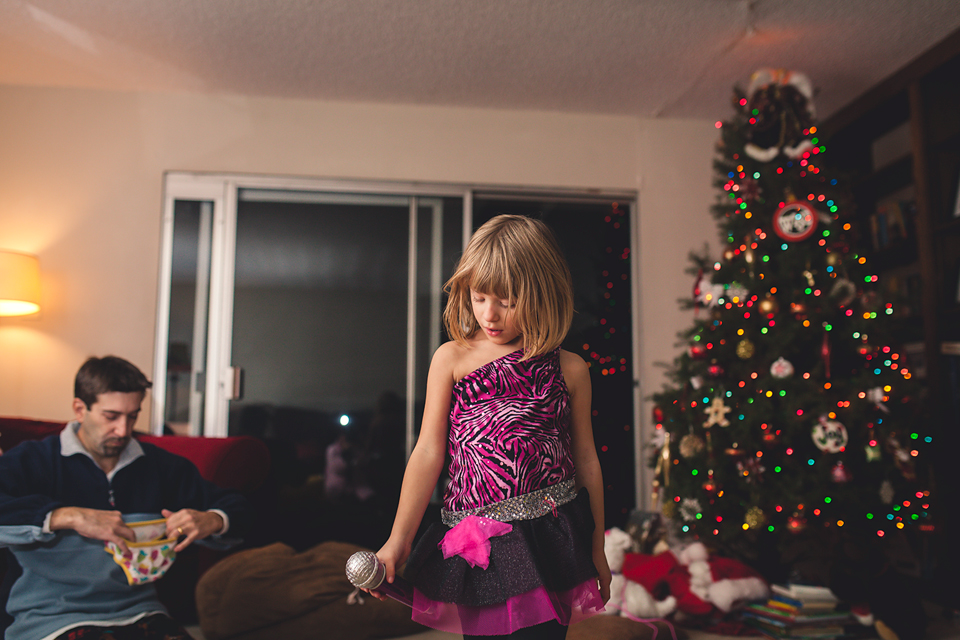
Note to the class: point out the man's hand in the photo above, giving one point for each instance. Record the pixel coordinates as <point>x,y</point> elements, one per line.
<point>93,523</point>
<point>191,525</point>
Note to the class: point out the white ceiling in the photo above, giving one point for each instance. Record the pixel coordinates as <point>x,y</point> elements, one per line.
<point>650,58</point>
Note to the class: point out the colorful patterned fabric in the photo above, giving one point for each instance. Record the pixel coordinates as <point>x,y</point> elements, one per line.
<point>509,431</point>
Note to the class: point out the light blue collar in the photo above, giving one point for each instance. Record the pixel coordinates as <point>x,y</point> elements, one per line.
<point>70,445</point>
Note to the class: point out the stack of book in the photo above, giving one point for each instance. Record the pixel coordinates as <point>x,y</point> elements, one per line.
<point>798,611</point>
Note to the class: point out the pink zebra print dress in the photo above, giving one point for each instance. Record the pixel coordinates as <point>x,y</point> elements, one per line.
<point>509,435</point>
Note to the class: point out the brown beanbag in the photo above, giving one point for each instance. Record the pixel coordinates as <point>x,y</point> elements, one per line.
<point>275,592</point>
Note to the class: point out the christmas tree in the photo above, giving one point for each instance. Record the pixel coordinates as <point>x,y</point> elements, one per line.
<point>791,412</point>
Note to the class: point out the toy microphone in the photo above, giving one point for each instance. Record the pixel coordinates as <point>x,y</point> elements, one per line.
<point>364,570</point>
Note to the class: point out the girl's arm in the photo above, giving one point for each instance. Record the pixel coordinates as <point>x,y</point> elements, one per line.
<point>425,463</point>
<point>577,376</point>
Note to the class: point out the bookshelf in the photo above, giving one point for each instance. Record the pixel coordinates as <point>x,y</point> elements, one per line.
<point>900,145</point>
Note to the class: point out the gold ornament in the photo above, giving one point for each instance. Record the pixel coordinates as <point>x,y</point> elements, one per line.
<point>663,463</point>
<point>669,509</point>
<point>745,349</point>
<point>755,517</point>
<point>728,255</point>
<point>834,259</point>
<point>691,445</point>
<point>768,305</point>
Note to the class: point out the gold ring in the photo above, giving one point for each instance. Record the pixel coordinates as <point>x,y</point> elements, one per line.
<point>180,530</point>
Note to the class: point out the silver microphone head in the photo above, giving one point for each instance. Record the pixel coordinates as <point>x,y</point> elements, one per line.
<point>364,570</point>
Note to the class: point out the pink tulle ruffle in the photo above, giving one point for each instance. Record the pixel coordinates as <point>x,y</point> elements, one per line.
<point>524,610</point>
<point>470,539</point>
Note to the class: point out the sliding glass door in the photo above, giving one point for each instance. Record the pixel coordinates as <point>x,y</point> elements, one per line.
<point>309,308</point>
<point>305,313</point>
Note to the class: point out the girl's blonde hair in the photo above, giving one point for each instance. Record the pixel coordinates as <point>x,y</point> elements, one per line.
<point>518,259</point>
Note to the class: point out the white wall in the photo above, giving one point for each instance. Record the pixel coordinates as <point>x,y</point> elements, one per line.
<point>81,176</point>
<point>675,184</point>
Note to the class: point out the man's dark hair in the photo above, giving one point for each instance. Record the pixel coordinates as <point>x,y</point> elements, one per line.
<point>107,374</point>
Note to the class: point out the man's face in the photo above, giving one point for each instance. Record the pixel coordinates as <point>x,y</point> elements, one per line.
<point>106,427</point>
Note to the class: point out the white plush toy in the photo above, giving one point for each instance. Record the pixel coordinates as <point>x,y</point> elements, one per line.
<point>629,598</point>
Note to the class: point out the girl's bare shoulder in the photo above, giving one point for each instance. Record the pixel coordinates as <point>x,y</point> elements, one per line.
<point>576,373</point>
<point>448,354</point>
<point>571,361</point>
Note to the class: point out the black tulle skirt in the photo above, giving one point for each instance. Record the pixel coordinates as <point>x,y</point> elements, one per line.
<point>543,569</point>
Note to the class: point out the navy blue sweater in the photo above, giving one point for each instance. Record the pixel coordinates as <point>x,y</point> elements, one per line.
<point>68,579</point>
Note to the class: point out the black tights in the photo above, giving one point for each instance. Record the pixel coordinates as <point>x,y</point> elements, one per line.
<point>551,630</point>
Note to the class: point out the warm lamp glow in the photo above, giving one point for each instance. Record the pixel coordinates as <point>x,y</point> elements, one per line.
<point>19,284</point>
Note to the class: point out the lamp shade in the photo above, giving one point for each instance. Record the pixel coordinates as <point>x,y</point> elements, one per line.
<point>19,284</point>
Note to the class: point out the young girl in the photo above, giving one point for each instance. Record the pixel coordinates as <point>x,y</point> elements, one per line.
<point>520,550</point>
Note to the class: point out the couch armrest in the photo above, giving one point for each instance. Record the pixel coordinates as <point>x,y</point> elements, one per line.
<point>13,431</point>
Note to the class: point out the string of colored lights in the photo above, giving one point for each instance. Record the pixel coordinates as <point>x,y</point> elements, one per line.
<point>745,315</point>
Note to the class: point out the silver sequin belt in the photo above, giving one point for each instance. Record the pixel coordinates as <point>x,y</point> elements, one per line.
<point>529,506</point>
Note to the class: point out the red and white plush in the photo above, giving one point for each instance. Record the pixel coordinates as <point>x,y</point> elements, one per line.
<point>700,582</point>
<point>629,598</point>
<point>697,584</point>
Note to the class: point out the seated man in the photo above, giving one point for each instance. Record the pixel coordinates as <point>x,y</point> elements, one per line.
<point>63,498</point>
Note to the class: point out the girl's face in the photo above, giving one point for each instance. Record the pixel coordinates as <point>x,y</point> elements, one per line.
<point>495,317</point>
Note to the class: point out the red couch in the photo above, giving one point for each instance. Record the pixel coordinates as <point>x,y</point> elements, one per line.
<point>240,463</point>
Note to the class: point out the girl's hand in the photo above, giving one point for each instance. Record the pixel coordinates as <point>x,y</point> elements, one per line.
<point>604,576</point>
<point>392,555</point>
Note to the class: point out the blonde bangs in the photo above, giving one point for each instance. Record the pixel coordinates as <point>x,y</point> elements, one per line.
<point>514,258</point>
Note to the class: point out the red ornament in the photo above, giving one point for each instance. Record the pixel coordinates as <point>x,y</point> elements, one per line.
<point>796,522</point>
<point>710,486</point>
<point>715,370</point>
<point>658,415</point>
<point>867,350</point>
<point>795,221</point>
<point>698,351</point>
<point>749,189</point>
<point>770,435</point>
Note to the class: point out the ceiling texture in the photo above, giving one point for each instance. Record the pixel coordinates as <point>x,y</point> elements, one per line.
<point>644,58</point>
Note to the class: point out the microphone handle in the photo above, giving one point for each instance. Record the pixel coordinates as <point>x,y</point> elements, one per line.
<point>400,590</point>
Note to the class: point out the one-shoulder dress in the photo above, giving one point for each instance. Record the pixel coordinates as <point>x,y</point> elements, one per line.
<point>511,491</point>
